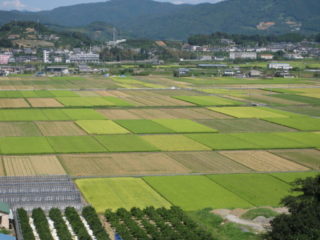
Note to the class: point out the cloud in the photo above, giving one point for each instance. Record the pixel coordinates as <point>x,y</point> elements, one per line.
<point>13,4</point>
<point>189,1</point>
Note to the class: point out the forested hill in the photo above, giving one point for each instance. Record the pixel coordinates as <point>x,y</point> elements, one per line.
<point>158,20</point>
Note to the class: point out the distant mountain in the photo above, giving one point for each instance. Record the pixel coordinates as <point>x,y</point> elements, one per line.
<point>98,31</point>
<point>159,20</point>
<point>32,34</point>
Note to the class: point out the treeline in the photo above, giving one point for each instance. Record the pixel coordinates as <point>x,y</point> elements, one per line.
<point>162,53</point>
<point>242,39</point>
<point>155,224</point>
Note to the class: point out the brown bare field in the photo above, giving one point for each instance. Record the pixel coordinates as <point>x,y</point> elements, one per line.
<point>112,93</point>
<point>273,100</point>
<point>60,129</point>
<point>150,113</point>
<point>115,114</point>
<point>13,103</point>
<point>2,172</point>
<point>44,102</point>
<point>307,157</point>
<point>18,129</point>
<point>194,113</point>
<point>263,161</point>
<point>158,101</point>
<point>124,164</point>
<point>32,165</point>
<point>208,162</point>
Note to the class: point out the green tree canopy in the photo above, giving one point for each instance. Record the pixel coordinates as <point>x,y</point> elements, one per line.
<point>303,222</point>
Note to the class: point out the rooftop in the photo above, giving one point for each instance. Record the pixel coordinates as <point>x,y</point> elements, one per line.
<point>4,208</point>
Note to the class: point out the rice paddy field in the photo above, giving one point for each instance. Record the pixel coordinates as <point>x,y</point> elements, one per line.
<point>139,141</point>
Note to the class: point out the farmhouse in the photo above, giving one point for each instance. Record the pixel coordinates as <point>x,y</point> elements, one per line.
<point>5,215</point>
<point>266,56</point>
<point>182,72</point>
<point>283,66</point>
<point>255,73</point>
<point>58,69</point>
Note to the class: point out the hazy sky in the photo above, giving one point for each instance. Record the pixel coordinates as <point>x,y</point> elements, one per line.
<point>36,5</point>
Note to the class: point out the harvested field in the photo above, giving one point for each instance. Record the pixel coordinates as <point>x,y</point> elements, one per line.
<point>60,129</point>
<point>2,171</point>
<point>114,193</point>
<point>258,189</point>
<point>271,100</point>
<point>199,113</point>
<point>174,143</point>
<point>208,162</point>
<point>244,125</point>
<point>13,103</point>
<point>150,113</point>
<point>101,127</point>
<point>18,129</point>
<point>307,157</point>
<point>299,98</point>
<point>84,101</point>
<point>116,114</point>
<point>263,161</point>
<point>112,93</point>
<point>32,165</point>
<point>195,192</point>
<point>157,101</point>
<point>44,102</point>
<point>132,164</point>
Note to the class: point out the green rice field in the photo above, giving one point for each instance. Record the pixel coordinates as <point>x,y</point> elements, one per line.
<point>115,193</point>
<point>137,141</point>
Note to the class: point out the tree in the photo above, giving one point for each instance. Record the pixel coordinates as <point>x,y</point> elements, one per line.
<point>317,38</point>
<point>303,222</point>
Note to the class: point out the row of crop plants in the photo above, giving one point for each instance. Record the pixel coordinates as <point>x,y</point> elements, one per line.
<point>155,224</point>
<point>58,226</point>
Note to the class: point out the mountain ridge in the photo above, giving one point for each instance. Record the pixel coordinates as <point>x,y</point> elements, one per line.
<point>161,20</point>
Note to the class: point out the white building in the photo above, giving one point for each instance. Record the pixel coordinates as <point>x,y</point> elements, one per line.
<point>46,56</point>
<point>283,66</point>
<point>266,56</point>
<point>85,58</point>
<point>243,55</point>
